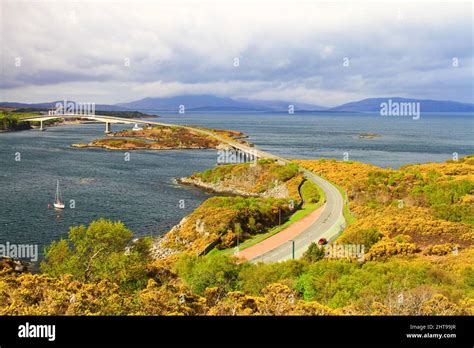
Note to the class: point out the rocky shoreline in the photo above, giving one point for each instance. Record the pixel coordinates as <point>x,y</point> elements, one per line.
<point>279,191</point>
<point>216,188</point>
<point>15,265</point>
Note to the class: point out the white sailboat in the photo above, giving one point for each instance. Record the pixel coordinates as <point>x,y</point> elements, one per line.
<point>57,198</point>
<point>136,128</point>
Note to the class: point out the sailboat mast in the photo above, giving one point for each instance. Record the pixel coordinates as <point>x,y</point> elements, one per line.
<point>57,198</point>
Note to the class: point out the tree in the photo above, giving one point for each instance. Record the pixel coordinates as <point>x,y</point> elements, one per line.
<point>314,253</point>
<point>103,250</point>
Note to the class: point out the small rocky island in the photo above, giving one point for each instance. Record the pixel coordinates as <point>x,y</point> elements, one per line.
<point>369,135</point>
<point>161,138</point>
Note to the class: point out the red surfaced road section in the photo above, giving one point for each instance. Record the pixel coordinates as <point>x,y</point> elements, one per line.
<point>281,237</point>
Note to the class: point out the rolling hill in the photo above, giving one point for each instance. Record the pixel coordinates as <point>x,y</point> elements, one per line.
<point>426,105</point>
<point>215,103</point>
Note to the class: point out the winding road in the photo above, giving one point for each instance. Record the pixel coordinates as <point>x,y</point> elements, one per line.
<point>328,223</point>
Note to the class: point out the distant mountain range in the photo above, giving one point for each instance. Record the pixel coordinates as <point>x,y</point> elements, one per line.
<point>426,105</point>
<point>215,103</point>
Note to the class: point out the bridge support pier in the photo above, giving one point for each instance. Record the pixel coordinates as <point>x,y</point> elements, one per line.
<point>41,126</point>
<point>108,128</point>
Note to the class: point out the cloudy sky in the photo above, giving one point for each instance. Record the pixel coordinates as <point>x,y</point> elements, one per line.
<point>307,51</point>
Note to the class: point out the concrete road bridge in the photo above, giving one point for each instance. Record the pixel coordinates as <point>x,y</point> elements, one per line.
<point>108,120</point>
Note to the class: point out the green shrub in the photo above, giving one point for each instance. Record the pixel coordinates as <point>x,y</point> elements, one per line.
<point>314,253</point>
<point>366,237</point>
<point>210,271</point>
<point>255,277</point>
<point>310,192</point>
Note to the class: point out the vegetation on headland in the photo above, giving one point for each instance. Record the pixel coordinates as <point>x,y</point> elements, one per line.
<point>232,135</point>
<point>265,177</point>
<point>268,196</point>
<point>12,121</point>
<point>158,138</point>
<point>417,261</point>
<point>125,114</point>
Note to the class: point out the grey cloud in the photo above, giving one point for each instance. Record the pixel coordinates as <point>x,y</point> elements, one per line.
<point>284,48</point>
